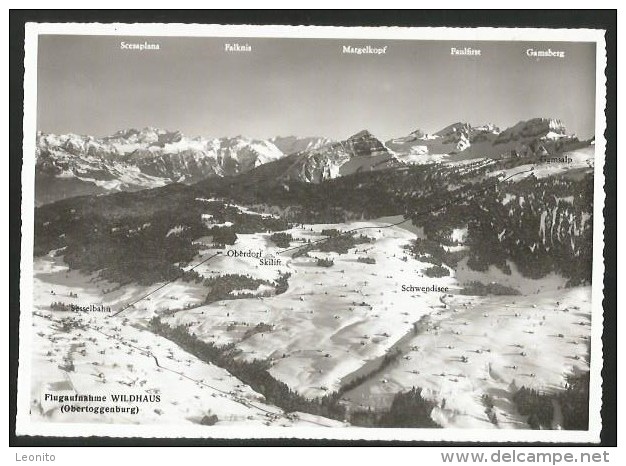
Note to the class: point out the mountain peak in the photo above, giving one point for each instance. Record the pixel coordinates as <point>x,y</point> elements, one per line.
<point>124,133</point>
<point>418,133</point>
<point>458,127</point>
<point>292,144</point>
<point>536,127</point>
<point>363,134</point>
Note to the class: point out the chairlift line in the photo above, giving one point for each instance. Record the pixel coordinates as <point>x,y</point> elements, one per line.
<point>165,284</point>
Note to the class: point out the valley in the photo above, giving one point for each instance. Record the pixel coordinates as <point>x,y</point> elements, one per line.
<point>331,327</point>
<point>345,284</point>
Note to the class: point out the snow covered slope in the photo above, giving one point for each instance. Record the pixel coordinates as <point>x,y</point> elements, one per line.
<point>79,353</point>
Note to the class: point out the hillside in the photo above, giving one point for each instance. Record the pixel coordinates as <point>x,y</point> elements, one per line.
<point>540,222</point>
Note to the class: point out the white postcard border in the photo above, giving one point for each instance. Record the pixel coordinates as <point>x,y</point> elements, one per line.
<point>24,426</point>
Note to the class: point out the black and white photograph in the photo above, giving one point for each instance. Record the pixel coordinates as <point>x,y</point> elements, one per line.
<point>312,232</point>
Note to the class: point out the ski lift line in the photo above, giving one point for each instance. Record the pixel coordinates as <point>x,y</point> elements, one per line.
<point>165,284</point>
<point>435,209</point>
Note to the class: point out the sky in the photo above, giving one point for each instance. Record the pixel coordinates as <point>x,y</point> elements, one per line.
<point>306,87</point>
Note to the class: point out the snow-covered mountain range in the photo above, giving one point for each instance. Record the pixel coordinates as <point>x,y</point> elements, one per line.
<point>462,141</point>
<point>456,142</point>
<point>70,164</point>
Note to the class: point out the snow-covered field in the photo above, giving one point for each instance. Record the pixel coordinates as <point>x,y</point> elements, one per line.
<point>330,320</point>
<point>116,355</point>
<point>332,324</point>
<point>474,346</point>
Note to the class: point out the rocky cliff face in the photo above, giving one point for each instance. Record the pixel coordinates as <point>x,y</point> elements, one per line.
<point>360,152</point>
